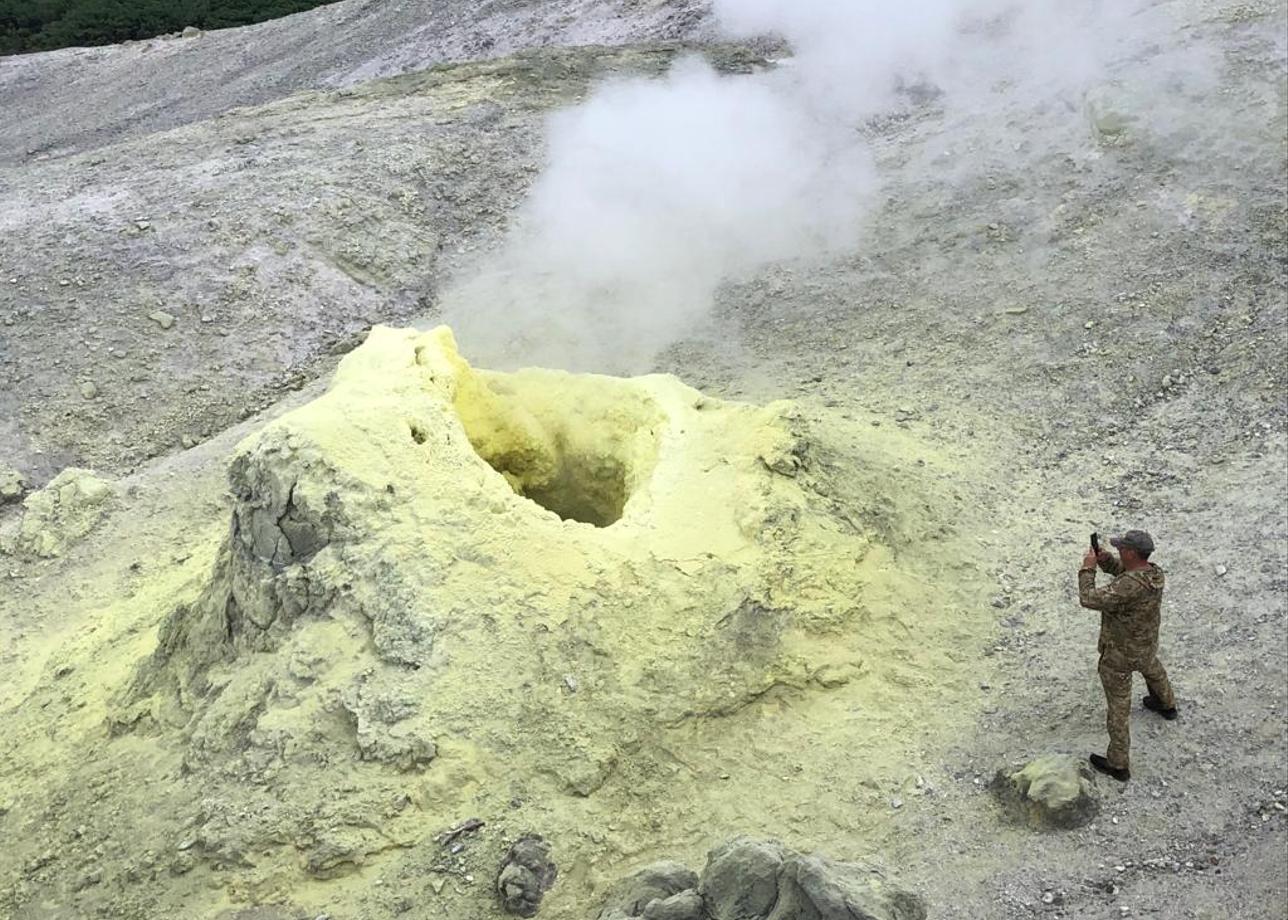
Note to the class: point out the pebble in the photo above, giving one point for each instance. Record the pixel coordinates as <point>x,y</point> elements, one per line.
<point>89,389</point>
<point>162,318</point>
<point>1221,570</point>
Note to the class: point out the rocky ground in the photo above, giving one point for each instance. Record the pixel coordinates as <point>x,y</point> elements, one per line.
<point>1096,338</point>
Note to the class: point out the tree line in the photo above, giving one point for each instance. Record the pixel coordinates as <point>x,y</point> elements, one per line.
<point>42,25</point>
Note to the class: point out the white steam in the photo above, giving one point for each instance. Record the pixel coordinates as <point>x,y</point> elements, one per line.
<point>658,190</point>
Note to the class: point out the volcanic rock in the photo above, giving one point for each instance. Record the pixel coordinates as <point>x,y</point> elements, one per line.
<point>64,511</point>
<point>12,485</point>
<point>527,873</point>
<point>748,879</point>
<point>653,885</point>
<point>1053,791</point>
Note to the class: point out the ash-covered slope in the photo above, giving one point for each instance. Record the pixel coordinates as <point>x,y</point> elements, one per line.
<point>158,290</point>
<point>73,100</point>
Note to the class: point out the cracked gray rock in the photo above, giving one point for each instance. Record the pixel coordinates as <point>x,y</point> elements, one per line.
<point>526,874</point>
<point>748,879</point>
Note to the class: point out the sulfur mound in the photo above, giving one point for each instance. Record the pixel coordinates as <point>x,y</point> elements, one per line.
<point>528,575</point>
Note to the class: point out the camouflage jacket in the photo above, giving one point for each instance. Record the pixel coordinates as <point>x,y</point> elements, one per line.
<point>1129,612</point>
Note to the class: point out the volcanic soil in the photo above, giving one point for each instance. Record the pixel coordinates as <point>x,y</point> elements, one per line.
<point>1022,350</point>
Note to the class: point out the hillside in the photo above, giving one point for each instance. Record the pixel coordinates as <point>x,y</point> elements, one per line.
<point>342,614</point>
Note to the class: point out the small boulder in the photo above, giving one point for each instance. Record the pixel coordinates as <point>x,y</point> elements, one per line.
<point>655,888</point>
<point>749,879</point>
<point>1051,792</point>
<point>191,32</point>
<point>1114,114</point>
<point>12,485</point>
<point>762,880</point>
<point>687,905</point>
<point>162,318</point>
<point>63,512</point>
<point>526,874</point>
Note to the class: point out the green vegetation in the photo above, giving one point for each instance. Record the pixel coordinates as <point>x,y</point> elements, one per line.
<point>40,25</point>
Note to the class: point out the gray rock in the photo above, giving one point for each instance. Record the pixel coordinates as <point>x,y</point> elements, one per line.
<point>64,511</point>
<point>526,874</point>
<point>12,485</point>
<point>687,905</point>
<point>190,32</point>
<point>1051,792</point>
<point>741,879</point>
<point>749,879</point>
<point>655,884</point>
<point>762,880</point>
<point>162,318</point>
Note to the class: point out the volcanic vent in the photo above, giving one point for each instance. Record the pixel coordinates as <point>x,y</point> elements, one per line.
<point>577,446</point>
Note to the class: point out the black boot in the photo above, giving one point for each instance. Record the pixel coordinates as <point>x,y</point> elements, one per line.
<point>1101,764</point>
<point>1151,703</point>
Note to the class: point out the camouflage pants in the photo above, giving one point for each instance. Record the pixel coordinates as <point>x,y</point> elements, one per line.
<point>1117,684</point>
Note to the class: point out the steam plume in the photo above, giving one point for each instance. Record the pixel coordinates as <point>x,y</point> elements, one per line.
<point>657,191</point>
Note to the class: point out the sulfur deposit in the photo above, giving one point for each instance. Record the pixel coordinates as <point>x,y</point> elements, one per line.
<point>63,512</point>
<point>612,613</point>
<point>431,557</point>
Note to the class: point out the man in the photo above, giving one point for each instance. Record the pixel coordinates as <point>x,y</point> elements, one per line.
<point>1129,614</point>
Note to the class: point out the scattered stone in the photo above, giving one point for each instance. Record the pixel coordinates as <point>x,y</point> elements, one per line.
<point>63,512</point>
<point>754,880</point>
<point>451,835</point>
<point>1053,791</point>
<point>1221,570</point>
<point>12,485</point>
<point>142,225</point>
<point>659,883</point>
<point>191,32</point>
<point>89,389</point>
<point>749,879</point>
<point>162,318</point>
<point>526,874</point>
<point>1110,113</point>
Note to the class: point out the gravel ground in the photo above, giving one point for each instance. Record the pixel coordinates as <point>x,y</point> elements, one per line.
<point>1110,329</point>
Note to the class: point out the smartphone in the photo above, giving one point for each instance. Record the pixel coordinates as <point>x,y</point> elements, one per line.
<point>1095,543</point>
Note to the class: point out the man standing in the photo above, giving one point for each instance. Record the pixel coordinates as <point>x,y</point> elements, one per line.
<point>1129,615</point>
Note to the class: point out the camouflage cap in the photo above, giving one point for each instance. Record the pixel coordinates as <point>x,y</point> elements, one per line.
<point>1138,540</point>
